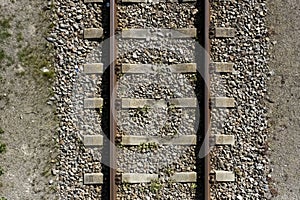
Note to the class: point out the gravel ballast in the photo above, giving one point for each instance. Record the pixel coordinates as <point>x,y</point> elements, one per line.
<point>247,121</point>
<point>72,86</point>
<point>166,121</point>
<point>157,15</point>
<point>248,50</point>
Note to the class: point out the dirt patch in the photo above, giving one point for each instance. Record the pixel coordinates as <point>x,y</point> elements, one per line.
<point>284,91</point>
<point>26,117</point>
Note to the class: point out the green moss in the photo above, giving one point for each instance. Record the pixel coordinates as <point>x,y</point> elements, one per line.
<point>1,171</point>
<point>5,23</point>
<point>19,25</point>
<point>10,60</point>
<point>20,37</point>
<point>169,171</point>
<point>5,59</point>
<point>49,74</point>
<point>141,111</point>
<point>4,35</point>
<point>4,26</point>
<point>172,109</point>
<point>2,55</point>
<point>125,186</point>
<point>2,147</point>
<point>144,109</point>
<point>51,26</point>
<point>47,171</point>
<point>20,73</point>
<point>148,146</point>
<point>52,5</point>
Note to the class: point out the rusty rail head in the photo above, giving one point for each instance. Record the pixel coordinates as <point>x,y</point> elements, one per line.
<point>207,97</point>
<point>112,59</point>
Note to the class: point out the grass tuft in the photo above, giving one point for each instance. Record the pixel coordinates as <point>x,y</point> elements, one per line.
<point>36,58</point>
<point>20,37</point>
<point>155,186</point>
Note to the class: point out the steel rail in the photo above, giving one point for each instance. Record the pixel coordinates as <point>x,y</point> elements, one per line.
<point>207,98</point>
<point>112,41</point>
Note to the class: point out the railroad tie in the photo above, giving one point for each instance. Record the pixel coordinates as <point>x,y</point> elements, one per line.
<point>167,33</point>
<point>179,177</point>
<point>93,68</point>
<point>135,1</point>
<point>224,176</point>
<point>92,33</point>
<point>221,32</point>
<point>222,67</point>
<point>92,178</point>
<point>93,1</point>
<point>178,102</point>
<point>138,178</point>
<point>149,68</point>
<point>93,103</point>
<point>184,177</point>
<point>93,140</point>
<point>132,140</point>
<point>224,102</point>
<point>221,139</point>
<point>155,1</point>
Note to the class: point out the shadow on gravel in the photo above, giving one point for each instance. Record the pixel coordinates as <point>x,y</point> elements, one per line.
<point>200,93</point>
<point>105,88</point>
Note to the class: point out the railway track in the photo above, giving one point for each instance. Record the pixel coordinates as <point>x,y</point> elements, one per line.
<point>159,149</point>
<point>174,166</point>
<point>144,90</point>
<point>151,156</point>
